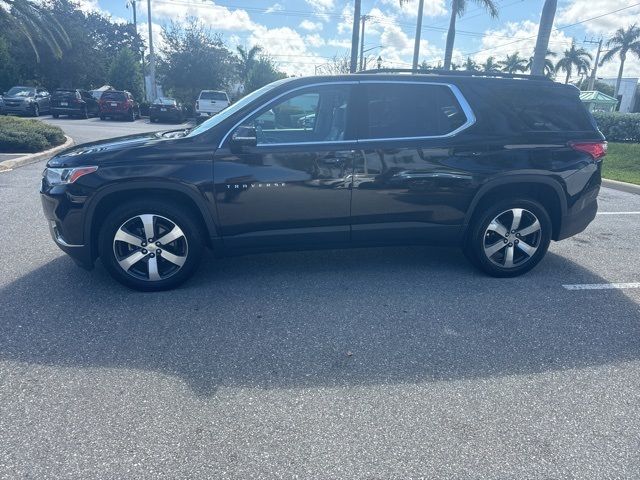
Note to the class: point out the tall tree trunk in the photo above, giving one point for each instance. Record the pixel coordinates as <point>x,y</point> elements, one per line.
<point>544,32</point>
<point>416,48</point>
<point>355,41</point>
<point>623,57</point>
<point>568,76</point>
<point>451,35</point>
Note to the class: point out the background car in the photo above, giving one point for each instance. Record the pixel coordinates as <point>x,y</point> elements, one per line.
<point>166,109</point>
<point>119,104</point>
<point>209,103</point>
<point>26,101</point>
<point>73,102</point>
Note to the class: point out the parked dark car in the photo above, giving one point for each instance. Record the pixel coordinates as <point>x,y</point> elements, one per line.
<point>118,104</point>
<point>73,102</point>
<point>31,101</point>
<point>166,109</point>
<point>498,165</point>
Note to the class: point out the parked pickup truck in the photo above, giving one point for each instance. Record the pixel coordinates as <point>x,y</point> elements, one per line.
<point>209,103</point>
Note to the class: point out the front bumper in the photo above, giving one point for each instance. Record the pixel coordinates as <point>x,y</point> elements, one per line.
<point>20,109</point>
<point>64,217</point>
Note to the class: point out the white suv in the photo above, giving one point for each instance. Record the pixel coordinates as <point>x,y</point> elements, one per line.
<point>210,102</point>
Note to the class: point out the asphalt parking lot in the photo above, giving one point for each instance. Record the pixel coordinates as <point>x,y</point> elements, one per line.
<point>368,363</point>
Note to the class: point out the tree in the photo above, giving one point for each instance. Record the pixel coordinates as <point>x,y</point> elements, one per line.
<point>248,60</point>
<point>458,8</point>
<point>544,33</point>
<point>194,59</point>
<point>34,21</point>
<point>416,48</point>
<point>574,57</point>
<point>470,65</point>
<point>490,66</point>
<point>338,65</point>
<point>549,67</point>
<point>622,42</point>
<point>262,72</point>
<point>8,72</point>
<point>513,63</point>
<point>605,88</point>
<point>125,73</point>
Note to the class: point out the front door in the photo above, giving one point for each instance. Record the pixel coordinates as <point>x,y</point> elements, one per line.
<point>292,188</point>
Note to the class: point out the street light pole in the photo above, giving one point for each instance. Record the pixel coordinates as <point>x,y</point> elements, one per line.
<point>364,19</point>
<point>152,58</point>
<point>594,70</point>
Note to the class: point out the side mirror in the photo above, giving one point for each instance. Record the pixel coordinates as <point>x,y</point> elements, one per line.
<point>244,136</point>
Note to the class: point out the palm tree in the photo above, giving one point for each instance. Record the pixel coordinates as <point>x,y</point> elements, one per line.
<point>490,66</point>
<point>513,63</point>
<point>458,8</point>
<point>549,67</point>
<point>621,43</point>
<point>416,48</point>
<point>544,32</point>
<point>36,23</point>
<point>470,65</point>
<point>574,57</point>
<point>247,60</point>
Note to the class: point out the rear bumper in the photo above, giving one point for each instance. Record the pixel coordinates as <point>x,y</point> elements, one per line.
<point>66,110</point>
<point>583,209</point>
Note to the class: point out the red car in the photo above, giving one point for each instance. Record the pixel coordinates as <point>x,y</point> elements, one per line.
<point>118,104</point>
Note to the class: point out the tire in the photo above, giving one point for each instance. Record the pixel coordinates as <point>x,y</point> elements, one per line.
<point>127,219</point>
<point>36,110</point>
<point>152,120</point>
<point>102,117</point>
<point>55,115</point>
<point>84,114</point>
<point>493,244</point>
<point>131,115</point>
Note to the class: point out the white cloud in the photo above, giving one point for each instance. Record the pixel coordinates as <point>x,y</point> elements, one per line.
<point>432,8</point>
<point>579,10</point>
<point>158,41</point>
<point>322,8</point>
<point>310,26</point>
<point>314,40</point>
<point>276,7</point>
<point>212,15</point>
<point>346,22</point>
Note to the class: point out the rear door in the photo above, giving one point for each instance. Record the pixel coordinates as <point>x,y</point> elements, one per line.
<point>293,187</point>
<point>410,184</point>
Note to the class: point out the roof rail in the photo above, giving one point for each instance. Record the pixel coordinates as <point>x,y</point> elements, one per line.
<point>455,73</point>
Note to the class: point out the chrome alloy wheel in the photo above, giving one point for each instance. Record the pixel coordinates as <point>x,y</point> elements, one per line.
<point>150,247</point>
<point>512,238</point>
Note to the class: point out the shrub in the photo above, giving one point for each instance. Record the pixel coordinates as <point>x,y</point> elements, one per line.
<point>619,127</point>
<point>18,135</point>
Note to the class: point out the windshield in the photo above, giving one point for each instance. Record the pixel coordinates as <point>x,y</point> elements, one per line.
<point>231,109</point>
<point>21,92</point>
<point>117,96</point>
<point>164,101</point>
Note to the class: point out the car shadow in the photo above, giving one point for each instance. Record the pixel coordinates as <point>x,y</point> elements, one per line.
<point>317,319</point>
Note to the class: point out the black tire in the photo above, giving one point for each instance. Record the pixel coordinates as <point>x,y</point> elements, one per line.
<point>36,110</point>
<point>85,113</point>
<point>55,115</point>
<point>102,117</point>
<point>131,115</point>
<point>152,120</point>
<point>189,245</point>
<point>483,233</point>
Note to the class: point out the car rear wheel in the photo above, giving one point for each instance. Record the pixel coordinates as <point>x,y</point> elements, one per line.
<point>150,245</point>
<point>509,238</point>
<point>55,115</point>
<point>131,115</point>
<point>85,113</point>
<point>36,110</point>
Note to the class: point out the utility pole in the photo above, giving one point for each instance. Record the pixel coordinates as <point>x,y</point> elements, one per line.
<point>355,36</point>
<point>141,52</point>
<point>594,70</point>
<point>364,18</point>
<point>416,48</point>
<point>152,58</point>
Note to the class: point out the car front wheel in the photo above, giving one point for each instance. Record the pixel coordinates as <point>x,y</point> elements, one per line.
<point>150,246</point>
<point>509,238</point>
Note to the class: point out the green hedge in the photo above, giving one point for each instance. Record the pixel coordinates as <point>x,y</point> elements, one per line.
<point>619,127</point>
<point>20,135</point>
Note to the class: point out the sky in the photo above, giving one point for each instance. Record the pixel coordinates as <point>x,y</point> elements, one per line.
<point>302,35</point>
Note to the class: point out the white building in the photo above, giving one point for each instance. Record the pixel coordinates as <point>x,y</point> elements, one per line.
<point>626,94</point>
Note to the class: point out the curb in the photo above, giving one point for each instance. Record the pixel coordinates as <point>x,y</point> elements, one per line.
<point>8,165</point>
<point>621,186</point>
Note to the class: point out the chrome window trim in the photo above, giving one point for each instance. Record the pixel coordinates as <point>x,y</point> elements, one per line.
<point>466,108</point>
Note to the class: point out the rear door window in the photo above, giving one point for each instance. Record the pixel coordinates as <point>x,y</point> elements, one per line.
<point>410,110</point>
<point>213,96</point>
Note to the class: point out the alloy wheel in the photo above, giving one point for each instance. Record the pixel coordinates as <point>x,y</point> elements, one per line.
<point>150,247</point>
<point>512,238</point>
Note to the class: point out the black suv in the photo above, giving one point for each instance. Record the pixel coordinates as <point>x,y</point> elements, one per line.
<point>499,166</point>
<point>73,102</point>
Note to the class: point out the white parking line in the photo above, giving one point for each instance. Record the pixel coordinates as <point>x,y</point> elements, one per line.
<point>601,286</point>
<point>618,213</point>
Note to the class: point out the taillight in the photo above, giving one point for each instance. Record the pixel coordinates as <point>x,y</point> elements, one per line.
<point>597,150</point>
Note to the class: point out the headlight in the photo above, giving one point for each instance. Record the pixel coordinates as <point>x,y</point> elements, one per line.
<point>60,176</point>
